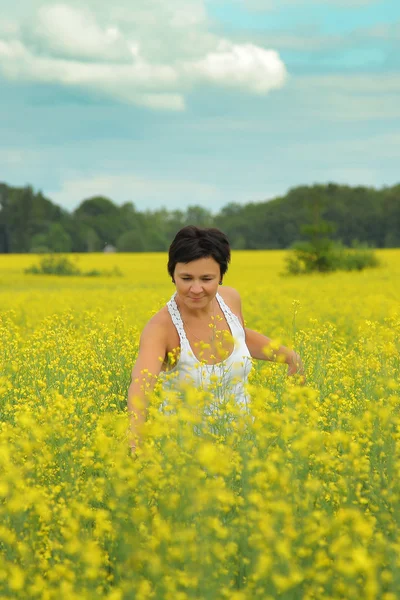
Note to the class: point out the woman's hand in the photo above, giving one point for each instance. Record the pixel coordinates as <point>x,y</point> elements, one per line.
<point>295,366</point>
<point>135,445</point>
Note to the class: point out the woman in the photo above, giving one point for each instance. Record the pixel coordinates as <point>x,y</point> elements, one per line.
<point>202,326</point>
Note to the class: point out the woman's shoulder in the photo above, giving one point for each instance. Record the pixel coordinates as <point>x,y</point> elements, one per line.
<point>230,294</point>
<point>159,323</point>
<point>231,297</point>
<point>160,318</point>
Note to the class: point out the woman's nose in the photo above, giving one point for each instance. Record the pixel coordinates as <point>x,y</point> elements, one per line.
<point>196,288</point>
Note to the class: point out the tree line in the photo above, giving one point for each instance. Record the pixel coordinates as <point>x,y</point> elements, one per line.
<point>30,222</point>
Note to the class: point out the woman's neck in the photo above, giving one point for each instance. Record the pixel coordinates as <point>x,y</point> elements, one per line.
<point>196,313</point>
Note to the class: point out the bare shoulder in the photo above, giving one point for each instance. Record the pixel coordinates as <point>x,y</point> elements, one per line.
<point>232,298</point>
<point>152,346</point>
<point>158,326</point>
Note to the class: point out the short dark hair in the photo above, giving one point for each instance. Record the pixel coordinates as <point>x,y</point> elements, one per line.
<point>192,243</point>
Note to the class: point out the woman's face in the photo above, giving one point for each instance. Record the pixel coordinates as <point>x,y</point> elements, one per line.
<point>197,281</point>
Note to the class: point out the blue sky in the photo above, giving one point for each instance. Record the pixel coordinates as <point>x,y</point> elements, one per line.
<point>198,102</point>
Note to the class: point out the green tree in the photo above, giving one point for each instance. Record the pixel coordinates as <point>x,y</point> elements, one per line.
<point>131,241</point>
<point>366,215</point>
<point>93,242</point>
<point>102,216</point>
<point>391,218</point>
<point>39,243</point>
<point>198,216</point>
<point>58,239</point>
<point>4,219</point>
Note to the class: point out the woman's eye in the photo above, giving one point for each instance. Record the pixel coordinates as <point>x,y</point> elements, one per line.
<point>188,279</point>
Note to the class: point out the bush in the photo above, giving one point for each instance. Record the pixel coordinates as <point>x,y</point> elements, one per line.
<point>114,272</point>
<point>359,257</point>
<point>307,257</point>
<point>54,265</point>
<point>62,265</point>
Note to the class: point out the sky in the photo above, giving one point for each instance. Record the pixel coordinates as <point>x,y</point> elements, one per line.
<point>198,102</point>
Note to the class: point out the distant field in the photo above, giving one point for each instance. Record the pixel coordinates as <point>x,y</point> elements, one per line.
<point>344,298</point>
<point>300,501</point>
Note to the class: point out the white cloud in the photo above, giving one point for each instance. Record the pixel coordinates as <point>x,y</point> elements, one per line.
<point>8,28</point>
<point>68,46</point>
<point>303,42</point>
<point>345,154</point>
<point>341,99</point>
<point>273,5</point>
<point>314,40</point>
<point>11,157</point>
<point>344,3</point>
<point>62,29</point>
<point>146,193</point>
<point>138,83</point>
<point>355,84</point>
<point>244,65</point>
<point>384,31</point>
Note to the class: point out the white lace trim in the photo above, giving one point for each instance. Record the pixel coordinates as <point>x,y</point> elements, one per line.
<point>229,315</point>
<point>176,317</point>
<point>177,320</point>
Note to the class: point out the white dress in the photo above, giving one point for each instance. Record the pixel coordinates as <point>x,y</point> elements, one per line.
<point>227,379</point>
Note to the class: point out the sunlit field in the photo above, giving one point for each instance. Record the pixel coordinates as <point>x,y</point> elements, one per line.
<point>299,499</point>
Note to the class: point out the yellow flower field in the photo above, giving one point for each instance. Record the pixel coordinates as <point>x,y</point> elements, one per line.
<point>300,499</point>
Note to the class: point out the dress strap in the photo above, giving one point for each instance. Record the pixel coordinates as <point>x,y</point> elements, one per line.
<point>230,317</point>
<point>177,320</point>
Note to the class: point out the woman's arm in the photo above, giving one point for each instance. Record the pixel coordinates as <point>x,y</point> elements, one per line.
<point>261,347</point>
<point>152,350</point>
